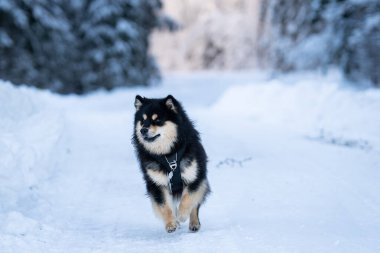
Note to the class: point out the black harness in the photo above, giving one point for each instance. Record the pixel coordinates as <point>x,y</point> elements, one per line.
<point>171,163</point>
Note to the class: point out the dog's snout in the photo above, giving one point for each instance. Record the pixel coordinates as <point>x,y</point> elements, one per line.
<point>144,130</point>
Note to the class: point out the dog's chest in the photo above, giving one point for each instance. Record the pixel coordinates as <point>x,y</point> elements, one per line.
<point>189,172</point>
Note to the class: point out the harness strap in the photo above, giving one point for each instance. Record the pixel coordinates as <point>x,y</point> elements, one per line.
<point>171,163</point>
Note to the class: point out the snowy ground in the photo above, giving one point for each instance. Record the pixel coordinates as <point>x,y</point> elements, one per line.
<point>294,167</point>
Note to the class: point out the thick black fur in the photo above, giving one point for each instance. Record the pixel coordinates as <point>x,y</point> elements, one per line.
<point>188,139</point>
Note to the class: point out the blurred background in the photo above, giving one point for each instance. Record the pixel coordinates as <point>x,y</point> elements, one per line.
<point>78,46</point>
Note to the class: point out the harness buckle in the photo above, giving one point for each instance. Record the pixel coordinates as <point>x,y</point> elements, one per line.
<point>173,165</point>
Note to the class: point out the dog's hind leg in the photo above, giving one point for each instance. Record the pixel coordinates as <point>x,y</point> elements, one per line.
<point>194,224</point>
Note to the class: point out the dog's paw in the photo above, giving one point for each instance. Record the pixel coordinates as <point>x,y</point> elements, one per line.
<point>194,227</point>
<point>171,227</point>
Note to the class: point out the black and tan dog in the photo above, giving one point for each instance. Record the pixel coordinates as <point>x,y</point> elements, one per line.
<point>172,159</point>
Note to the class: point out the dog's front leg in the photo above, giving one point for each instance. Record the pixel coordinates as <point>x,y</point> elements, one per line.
<point>166,211</point>
<point>191,200</point>
<point>185,206</point>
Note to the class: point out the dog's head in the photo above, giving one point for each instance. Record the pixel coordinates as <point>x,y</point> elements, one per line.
<point>156,124</point>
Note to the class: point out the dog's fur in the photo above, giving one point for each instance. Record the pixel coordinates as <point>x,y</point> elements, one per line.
<point>168,129</point>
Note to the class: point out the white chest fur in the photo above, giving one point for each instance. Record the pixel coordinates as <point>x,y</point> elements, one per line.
<point>157,176</point>
<point>189,171</point>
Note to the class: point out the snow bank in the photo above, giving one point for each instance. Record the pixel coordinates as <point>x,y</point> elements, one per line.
<point>314,105</point>
<point>30,132</point>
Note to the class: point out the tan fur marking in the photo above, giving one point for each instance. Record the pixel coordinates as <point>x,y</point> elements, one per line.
<point>154,116</point>
<point>194,224</point>
<point>185,207</point>
<point>166,214</point>
<point>166,211</point>
<point>194,215</point>
<point>190,201</point>
<point>145,117</point>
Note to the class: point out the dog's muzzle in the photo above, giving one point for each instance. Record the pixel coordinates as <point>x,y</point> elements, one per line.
<point>144,132</point>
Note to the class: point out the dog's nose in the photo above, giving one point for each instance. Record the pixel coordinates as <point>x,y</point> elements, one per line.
<point>144,131</point>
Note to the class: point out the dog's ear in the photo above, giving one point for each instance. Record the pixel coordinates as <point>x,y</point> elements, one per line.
<point>170,103</point>
<point>138,102</point>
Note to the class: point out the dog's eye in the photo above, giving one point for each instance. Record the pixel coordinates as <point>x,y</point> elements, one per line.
<point>157,121</point>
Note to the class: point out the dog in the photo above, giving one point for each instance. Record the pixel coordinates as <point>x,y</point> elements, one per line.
<point>172,160</point>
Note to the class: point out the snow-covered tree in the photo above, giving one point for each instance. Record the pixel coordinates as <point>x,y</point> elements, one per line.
<point>279,35</point>
<point>320,33</point>
<point>28,30</point>
<point>77,46</point>
<point>213,34</point>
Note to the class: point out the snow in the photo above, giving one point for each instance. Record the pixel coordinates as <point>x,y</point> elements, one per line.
<point>294,167</point>
<point>29,141</point>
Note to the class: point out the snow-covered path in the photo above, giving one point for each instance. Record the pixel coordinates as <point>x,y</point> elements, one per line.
<point>278,185</point>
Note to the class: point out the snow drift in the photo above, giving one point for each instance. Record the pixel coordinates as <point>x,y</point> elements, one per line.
<point>30,132</point>
<point>320,107</point>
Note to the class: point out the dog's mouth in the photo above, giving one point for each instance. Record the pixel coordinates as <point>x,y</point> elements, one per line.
<point>151,139</point>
